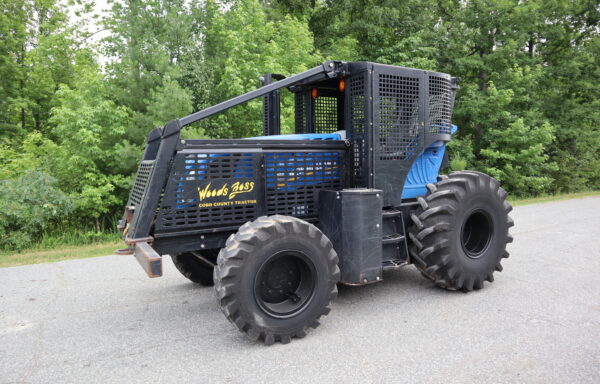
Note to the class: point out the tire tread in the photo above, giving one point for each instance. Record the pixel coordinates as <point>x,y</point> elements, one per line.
<point>428,233</point>
<point>240,245</point>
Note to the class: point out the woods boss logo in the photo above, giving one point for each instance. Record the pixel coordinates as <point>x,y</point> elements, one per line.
<point>226,191</point>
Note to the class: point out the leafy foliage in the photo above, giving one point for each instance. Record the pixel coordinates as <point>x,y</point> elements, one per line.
<point>87,127</point>
<point>28,205</point>
<point>72,130</point>
<point>244,44</point>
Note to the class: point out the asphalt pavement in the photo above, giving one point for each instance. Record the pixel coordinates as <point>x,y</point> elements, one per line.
<point>102,320</point>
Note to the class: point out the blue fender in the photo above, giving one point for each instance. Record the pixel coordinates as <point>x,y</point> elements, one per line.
<point>425,169</point>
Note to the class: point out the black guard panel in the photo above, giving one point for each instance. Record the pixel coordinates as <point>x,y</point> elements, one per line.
<point>352,220</point>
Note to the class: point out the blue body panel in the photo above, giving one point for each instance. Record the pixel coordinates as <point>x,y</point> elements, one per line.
<point>301,136</point>
<point>424,170</point>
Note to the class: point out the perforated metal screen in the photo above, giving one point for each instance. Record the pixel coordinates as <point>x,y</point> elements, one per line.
<point>301,112</point>
<point>193,173</point>
<point>140,183</point>
<point>204,188</point>
<point>398,116</point>
<point>357,129</point>
<point>293,180</point>
<point>266,110</point>
<point>320,115</point>
<point>440,109</point>
<point>326,114</point>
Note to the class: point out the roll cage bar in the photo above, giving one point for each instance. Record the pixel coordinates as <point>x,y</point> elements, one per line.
<point>329,69</point>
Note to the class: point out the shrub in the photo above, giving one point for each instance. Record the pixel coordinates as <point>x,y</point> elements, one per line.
<point>29,205</point>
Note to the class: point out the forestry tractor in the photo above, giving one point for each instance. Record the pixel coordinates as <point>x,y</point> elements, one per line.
<point>276,222</point>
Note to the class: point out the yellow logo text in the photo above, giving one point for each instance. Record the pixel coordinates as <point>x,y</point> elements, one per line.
<point>225,190</point>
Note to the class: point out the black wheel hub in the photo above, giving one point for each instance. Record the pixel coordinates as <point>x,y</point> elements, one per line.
<point>285,284</point>
<point>476,234</point>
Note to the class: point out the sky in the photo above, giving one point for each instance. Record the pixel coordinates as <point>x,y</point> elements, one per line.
<point>93,26</point>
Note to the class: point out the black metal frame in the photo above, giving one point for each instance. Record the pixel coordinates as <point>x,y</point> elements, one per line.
<point>271,106</point>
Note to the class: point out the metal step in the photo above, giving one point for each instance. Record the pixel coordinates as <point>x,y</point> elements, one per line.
<point>394,264</point>
<point>391,213</point>
<point>395,250</point>
<point>392,239</point>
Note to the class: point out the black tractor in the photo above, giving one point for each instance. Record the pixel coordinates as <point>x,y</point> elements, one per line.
<point>276,222</point>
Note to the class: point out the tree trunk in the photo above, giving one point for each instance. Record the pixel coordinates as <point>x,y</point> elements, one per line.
<point>531,46</point>
<point>483,86</point>
<point>483,74</point>
<point>36,118</point>
<point>22,83</point>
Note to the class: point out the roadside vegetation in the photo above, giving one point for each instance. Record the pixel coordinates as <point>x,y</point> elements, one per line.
<point>12,259</point>
<point>54,249</point>
<point>65,245</point>
<point>80,89</point>
<point>549,198</point>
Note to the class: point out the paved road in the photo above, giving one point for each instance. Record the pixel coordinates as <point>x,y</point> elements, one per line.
<point>101,319</point>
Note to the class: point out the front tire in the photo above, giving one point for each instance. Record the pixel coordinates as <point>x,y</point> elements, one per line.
<point>276,277</point>
<point>460,231</point>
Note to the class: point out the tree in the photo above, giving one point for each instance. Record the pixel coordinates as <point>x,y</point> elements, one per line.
<point>242,44</point>
<point>569,44</point>
<point>148,41</point>
<point>12,45</point>
<point>528,109</point>
<point>86,159</point>
<point>38,54</point>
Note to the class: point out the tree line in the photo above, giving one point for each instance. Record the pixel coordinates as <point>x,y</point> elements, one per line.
<point>75,109</point>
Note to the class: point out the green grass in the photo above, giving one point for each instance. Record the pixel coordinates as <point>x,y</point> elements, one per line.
<point>8,259</point>
<point>545,199</point>
<point>57,248</point>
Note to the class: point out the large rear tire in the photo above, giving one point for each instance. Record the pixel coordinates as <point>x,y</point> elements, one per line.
<point>460,231</point>
<point>276,277</point>
<point>195,269</point>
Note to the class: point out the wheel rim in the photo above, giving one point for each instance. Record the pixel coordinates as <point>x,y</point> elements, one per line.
<point>476,234</point>
<point>285,284</point>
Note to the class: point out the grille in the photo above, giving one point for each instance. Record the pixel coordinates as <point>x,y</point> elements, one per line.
<point>203,217</point>
<point>326,114</point>
<point>265,117</point>
<point>293,180</point>
<point>318,115</point>
<point>300,112</point>
<point>398,116</point>
<point>439,105</point>
<point>180,203</point>
<point>356,89</point>
<point>205,166</point>
<point>141,182</point>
